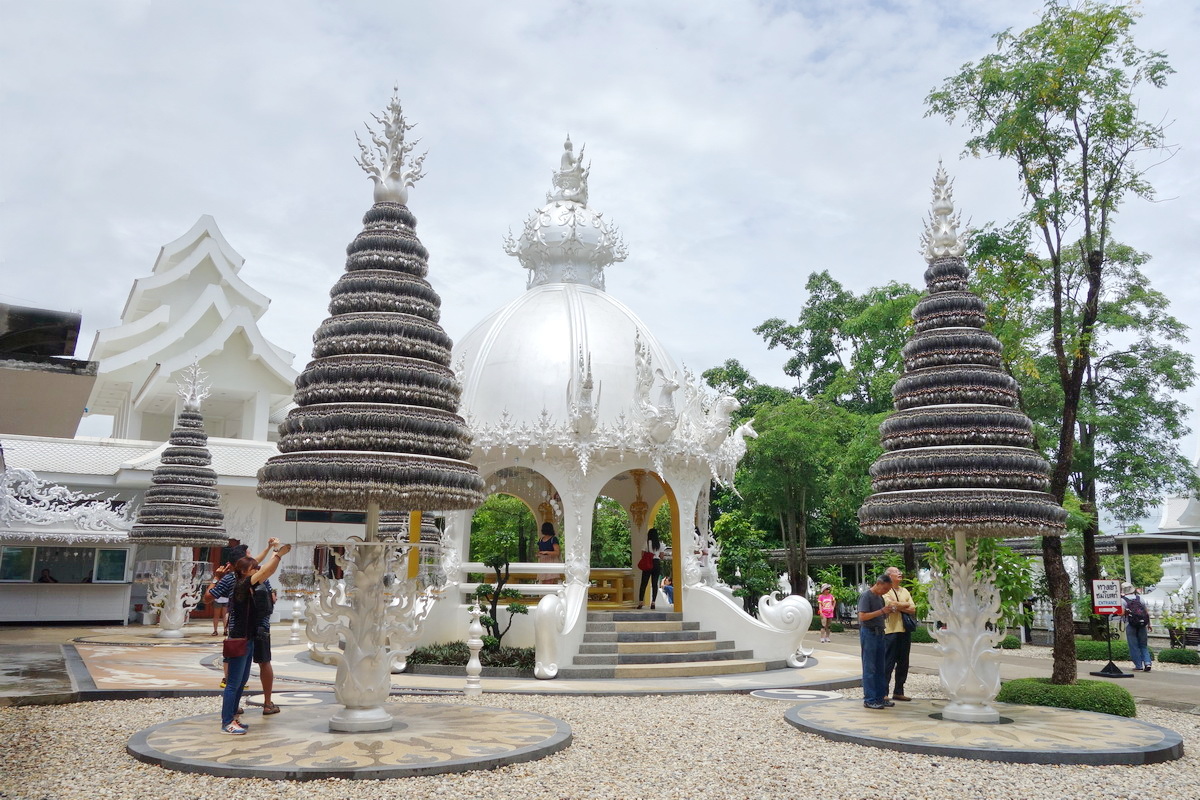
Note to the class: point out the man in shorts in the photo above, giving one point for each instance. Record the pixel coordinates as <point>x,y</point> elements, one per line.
<point>262,637</point>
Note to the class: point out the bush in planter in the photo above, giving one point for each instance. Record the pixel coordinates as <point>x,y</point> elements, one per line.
<point>1091,650</point>
<point>922,635</point>
<point>836,627</point>
<point>1179,655</point>
<point>1010,642</point>
<point>1106,698</point>
<point>457,654</point>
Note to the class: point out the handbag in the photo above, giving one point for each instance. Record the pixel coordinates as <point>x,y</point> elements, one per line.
<point>234,648</point>
<point>910,621</point>
<point>646,562</point>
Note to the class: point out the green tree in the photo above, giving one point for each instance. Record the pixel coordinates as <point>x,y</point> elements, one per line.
<point>846,347</point>
<point>1057,100</point>
<point>507,515</point>
<point>495,551</point>
<point>610,535</point>
<point>1144,570</point>
<point>733,379</point>
<point>786,470</point>
<point>743,564</point>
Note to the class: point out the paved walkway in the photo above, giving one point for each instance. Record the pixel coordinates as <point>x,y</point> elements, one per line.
<point>129,661</point>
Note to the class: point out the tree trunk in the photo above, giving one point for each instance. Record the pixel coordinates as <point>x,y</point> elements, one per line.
<point>801,588</point>
<point>1091,560</point>
<point>910,560</point>
<point>1064,619</point>
<point>793,550</point>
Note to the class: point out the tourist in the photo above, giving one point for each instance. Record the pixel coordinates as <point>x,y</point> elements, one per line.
<point>826,606</point>
<point>871,610</point>
<point>897,639</point>
<point>46,577</point>
<point>223,590</point>
<point>1137,627</point>
<point>667,587</point>
<point>219,604</point>
<point>549,551</point>
<point>245,622</point>
<point>650,567</point>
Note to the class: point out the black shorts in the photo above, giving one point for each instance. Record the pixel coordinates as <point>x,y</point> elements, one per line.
<point>262,646</point>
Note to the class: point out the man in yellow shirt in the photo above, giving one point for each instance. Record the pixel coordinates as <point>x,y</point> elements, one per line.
<point>897,641</point>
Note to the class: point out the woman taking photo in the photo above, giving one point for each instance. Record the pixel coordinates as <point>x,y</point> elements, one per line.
<point>243,622</point>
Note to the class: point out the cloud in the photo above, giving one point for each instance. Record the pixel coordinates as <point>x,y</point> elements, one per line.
<point>738,145</point>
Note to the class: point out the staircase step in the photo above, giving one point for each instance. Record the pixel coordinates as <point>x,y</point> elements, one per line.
<point>643,625</point>
<point>678,670</point>
<point>632,616</point>
<point>648,636</point>
<point>662,658</point>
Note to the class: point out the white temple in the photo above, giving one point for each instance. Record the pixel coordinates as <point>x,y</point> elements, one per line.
<point>67,503</point>
<point>571,397</point>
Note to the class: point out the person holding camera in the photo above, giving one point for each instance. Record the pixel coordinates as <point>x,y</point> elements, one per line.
<point>872,608</point>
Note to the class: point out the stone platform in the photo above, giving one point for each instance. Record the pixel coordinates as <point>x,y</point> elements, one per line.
<point>1024,735</point>
<point>428,739</point>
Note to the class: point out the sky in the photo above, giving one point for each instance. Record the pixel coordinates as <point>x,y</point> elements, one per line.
<point>739,146</point>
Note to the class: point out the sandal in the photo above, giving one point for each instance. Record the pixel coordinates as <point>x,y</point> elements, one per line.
<point>270,708</point>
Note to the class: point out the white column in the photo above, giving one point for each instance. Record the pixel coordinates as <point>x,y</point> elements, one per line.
<point>1195,588</point>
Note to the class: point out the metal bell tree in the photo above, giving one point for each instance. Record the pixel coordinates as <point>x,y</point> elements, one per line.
<point>959,463</point>
<point>376,427</point>
<point>182,508</point>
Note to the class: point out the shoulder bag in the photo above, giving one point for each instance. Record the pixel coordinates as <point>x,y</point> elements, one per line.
<point>646,563</point>
<point>909,620</point>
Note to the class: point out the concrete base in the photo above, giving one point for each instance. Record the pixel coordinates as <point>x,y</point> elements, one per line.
<point>428,739</point>
<point>1024,734</point>
<point>357,720</point>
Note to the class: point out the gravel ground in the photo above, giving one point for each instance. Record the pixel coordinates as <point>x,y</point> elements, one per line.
<point>692,746</point>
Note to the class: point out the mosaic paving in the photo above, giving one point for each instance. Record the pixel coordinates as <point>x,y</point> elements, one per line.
<point>429,738</point>
<point>1029,734</point>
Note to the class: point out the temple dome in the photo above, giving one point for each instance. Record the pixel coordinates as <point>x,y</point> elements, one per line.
<point>526,357</point>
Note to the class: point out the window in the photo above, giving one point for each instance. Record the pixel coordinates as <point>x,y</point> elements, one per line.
<point>16,563</point>
<point>110,566</point>
<point>312,515</point>
<point>64,564</point>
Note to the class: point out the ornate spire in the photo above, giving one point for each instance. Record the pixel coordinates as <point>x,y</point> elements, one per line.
<point>565,241</point>
<point>377,408</point>
<point>958,450</point>
<point>193,387</point>
<point>941,238</point>
<point>388,165</point>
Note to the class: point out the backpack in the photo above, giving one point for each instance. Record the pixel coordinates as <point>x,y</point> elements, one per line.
<point>1135,612</point>
<point>263,605</point>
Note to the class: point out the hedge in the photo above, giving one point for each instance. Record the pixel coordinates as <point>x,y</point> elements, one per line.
<point>1178,655</point>
<point>457,654</point>
<point>1101,696</point>
<point>1091,650</point>
<point>834,627</point>
<point>922,635</point>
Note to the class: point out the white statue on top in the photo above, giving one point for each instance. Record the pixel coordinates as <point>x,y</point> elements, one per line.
<point>570,182</point>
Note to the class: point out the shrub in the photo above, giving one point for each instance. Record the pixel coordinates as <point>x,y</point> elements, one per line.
<point>1179,656</point>
<point>1106,698</point>
<point>457,654</point>
<point>815,625</point>
<point>922,635</point>
<point>1091,650</point>
<point>836,627</point>
<point>1010,642</point>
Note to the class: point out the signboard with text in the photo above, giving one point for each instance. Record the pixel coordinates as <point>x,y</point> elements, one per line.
<point>1106,597</point>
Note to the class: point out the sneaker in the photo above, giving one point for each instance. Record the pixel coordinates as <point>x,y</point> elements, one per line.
<point>888,704</point>
<point>222,683</point>
<point>874,706</point>
<point>234,729</point>
<point>1146,668</point>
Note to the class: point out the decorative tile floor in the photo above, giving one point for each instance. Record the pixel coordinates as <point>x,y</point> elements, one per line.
<point>1026,734</point>
<point>428,739</point>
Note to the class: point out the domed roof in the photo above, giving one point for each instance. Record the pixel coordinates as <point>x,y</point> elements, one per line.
<point>566,366</point>
<point>534,356</point>
<point>536,353</point>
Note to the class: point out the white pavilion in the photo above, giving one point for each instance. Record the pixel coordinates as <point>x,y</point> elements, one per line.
<point>571,397</point>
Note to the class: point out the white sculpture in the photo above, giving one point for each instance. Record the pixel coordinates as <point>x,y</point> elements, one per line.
<point>941,237</point>
<point>388,165</point>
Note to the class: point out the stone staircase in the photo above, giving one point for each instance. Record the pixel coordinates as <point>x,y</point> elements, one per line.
<point>655,644</point>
